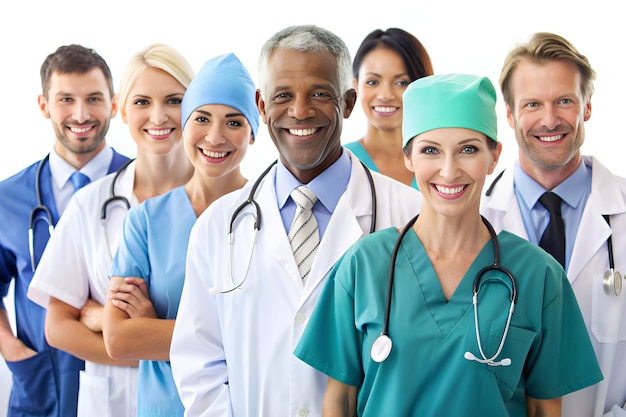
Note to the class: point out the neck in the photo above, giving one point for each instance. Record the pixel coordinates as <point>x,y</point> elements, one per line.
<point>203,191</point>
<point>158,174</point>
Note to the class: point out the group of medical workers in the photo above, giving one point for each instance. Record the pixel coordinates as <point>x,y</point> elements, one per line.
<point>375,277</point>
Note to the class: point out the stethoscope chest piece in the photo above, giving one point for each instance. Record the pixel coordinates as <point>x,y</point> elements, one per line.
<point>381,348</point>
<point>612,282</point>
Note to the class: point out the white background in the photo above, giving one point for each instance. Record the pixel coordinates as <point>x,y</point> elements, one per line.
<point>460,35</point>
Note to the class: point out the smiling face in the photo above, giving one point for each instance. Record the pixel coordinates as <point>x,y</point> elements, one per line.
<point>304,108</point>
<point>382,80</point>
<point>80,109</point>
<point>548,116</point>
<point>152,111</point>
<point>216,139</point>
<point>450,166</point>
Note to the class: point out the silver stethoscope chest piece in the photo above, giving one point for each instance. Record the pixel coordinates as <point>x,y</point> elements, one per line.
<point>612,279</point>
<point>381,348</point>
<point>612,282</point>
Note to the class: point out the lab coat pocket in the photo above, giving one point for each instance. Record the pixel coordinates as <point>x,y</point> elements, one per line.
<point>34,387</point>
<point>93,395</point>
<point>607,311</point>
<point>516,346</point>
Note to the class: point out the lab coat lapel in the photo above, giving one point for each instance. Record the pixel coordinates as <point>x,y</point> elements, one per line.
<point>592,224</point>
<point>343,228</point>
<point>501,208</point>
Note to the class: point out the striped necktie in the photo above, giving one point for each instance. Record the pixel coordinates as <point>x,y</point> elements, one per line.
<point>303,234</point>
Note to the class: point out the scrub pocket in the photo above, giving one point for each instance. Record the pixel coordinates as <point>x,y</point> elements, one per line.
<point>516,347</point>
<point>34,391</point>
<point>94,395</point>
<point>607,312</point>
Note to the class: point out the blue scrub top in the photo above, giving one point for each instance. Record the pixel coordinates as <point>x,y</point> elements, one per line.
<point>154,247</point>
<point>426,373</point>
<point>47,383</point>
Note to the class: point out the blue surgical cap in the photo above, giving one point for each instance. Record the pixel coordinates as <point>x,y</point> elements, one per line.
<point>222,80</point>
<point>449,100</point>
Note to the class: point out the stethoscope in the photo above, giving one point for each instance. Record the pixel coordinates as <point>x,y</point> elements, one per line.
<point>112,199</point>
<point>612,279</point>
<point>256,214</point>
<point>381,348</point>
<point>41,207</point>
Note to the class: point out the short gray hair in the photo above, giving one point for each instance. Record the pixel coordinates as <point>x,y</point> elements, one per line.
<point>309,39</point>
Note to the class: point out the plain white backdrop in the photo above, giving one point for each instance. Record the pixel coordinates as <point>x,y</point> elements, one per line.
<point>460,35</point>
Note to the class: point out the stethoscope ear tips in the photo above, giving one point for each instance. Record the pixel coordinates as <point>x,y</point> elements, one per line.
<point>612,282</point>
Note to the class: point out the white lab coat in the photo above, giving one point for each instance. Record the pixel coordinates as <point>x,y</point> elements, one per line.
<point>604,314</point>
<point>232,354</point>
<point>74,267</point>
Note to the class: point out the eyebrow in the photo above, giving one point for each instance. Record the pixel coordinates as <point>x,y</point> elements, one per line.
<point>207,113</point>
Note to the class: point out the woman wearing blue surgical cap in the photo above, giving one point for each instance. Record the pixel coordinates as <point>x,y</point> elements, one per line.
<point>220,120</point>
<point>444,317</point>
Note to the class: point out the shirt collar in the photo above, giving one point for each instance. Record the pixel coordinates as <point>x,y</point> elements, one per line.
<point>571,190</point>
<point>97,167</point>
<point>328,186</point>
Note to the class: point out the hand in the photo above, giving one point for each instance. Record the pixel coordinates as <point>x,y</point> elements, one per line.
<point>91,315</point>
<point>14,350</point>
<point>131,295</point>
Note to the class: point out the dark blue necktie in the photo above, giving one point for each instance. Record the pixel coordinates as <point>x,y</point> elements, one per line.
<point>553,239</point>
<point>79,180</point>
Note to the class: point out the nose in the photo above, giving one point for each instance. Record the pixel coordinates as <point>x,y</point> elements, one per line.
<point>550,116</point>
<point>450,168</point>
<point>385,92</point>
<point>81,112</point>
<point>214,135</point>
<point>301,108</point>
<point>158,115</point>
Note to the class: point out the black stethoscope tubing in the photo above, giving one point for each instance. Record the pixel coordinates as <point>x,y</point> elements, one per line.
<point>42,207</point>
<point>610,283</point>
<point>257,223</point>
<point>382,346</point>
<point>251,201</point>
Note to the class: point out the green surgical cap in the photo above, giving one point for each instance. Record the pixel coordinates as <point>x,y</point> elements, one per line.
<point>449,100</point>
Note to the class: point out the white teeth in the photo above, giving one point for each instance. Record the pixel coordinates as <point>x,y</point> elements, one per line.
<point>211,154</point>
<point>385,109</point>
<point>449,190</point>
<point>80,130</point>
<point>159,132</point>
<point>302,132</point>
<point>550,138</point>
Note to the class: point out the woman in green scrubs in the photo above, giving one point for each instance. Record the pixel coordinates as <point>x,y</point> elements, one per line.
<point>450,143</point>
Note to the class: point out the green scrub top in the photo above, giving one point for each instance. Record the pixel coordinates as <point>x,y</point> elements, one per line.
<point>359,151</point>
<point>426,373</point>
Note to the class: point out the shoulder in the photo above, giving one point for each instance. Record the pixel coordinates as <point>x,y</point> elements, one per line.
<point>26,175</point>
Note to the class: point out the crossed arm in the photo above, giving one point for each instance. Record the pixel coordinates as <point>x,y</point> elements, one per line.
<point>131,328</point>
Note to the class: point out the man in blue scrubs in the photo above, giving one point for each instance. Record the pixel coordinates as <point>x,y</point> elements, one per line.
<point>78,98</point>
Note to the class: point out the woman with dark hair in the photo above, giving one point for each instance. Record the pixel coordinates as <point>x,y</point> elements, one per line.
<point>384,65</point>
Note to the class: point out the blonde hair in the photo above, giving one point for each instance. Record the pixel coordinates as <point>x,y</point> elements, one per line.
<point>159,56</point>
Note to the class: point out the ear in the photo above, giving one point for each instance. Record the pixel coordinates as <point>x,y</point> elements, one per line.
<point>587,114</point>
<point>355,83</point>
<point>251,139</point>
<point>495,157</point>
<point>43,106</point>
<point>349,99</point>
<point>113,105</point>
<point>260,105</point>
<point>408,163</point>
<point>509,117</point>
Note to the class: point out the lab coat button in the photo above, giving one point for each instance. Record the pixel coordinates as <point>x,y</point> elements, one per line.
<point>300,318</point>
<point>302,412</point>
